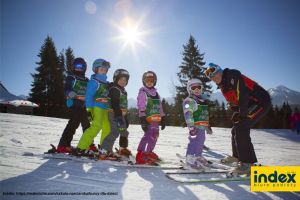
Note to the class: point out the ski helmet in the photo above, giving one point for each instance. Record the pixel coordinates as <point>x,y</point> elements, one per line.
<point>100,63</point>
<point>213,69</point>
<point>193,82</point>
<point>119,73</point>
<point>149,75</point>
<point>79,63</point>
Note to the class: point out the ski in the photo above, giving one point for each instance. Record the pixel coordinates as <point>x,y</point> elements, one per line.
<point>209,164</point>
<point>205,177</point>
<point>132,165</point>
<point>58,156</point>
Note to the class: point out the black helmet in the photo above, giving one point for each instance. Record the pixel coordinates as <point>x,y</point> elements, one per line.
<point>119,73</point>
<point>79,63</point>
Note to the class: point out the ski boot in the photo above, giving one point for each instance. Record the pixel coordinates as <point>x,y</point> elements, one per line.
<point>94,149</point>
<point>61,149</point>
<point>124,152</point>
<point>191,162</point>
<point>143,158</point>
<point>242,169</point>
<point>201,159</point>
<point>107,155</point>
<point>153,155</point>
<point>83,153</point>
<point>229,160</point>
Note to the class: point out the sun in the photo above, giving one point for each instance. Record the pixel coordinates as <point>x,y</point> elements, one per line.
<point>131,35</point>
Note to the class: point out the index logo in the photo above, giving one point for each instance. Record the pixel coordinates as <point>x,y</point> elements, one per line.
<point>275,179</point>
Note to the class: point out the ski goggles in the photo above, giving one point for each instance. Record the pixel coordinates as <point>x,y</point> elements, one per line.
<point>195,87</point>
<point>211,71</point>
<point>104,64</point>
<point>149,80</point>
<point>79,66</point>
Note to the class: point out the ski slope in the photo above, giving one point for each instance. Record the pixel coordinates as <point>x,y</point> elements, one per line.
<point>65,179</point>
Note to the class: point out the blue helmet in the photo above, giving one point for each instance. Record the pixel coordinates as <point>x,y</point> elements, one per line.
<point>100,63</point>
<point>213,69</point>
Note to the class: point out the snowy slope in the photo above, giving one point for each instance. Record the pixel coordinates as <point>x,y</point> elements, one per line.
<point>23,133</point>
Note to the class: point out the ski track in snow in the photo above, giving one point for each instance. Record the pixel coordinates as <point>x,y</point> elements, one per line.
<point>33,134</point>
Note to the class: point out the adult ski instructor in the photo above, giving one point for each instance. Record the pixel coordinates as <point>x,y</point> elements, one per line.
<point>249,103</point>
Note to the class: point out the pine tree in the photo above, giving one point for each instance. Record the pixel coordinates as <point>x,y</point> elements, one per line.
<point>59,97</point>
<point>191,67</point>
<point>69,60</point>
<point>278,117</point>
<point>286,111</point>
<point>48,76</point>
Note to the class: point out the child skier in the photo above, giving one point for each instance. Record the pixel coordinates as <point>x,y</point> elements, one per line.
<point>117,110</point>
<point>151,113</point>
<point>96,100</point>
<point>195,111</point>
<point>75,88</point>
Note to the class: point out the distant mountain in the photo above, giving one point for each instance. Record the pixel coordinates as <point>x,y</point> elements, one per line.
<point>132,103</point>
<point>23,97</point>
<point>282,94</point>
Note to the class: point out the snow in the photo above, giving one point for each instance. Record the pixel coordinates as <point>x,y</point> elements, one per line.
<point>32,134</point>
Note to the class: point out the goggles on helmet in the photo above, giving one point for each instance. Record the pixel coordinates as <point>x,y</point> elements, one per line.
<point>104,64</point>
<point>211,71</point>
<point>79,66</point>
<point>149,80</point>
<point>195,87</point>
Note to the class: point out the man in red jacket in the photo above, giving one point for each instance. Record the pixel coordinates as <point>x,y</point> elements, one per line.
<point>249,102</point>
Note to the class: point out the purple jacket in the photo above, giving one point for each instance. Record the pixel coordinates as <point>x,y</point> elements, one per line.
<point>142,100</point>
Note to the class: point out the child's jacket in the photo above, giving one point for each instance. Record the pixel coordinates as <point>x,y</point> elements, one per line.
<point>117,100</point>
<point>149,104</point>
<point>77,84</point>
<point>195,111</point>
<point>97,91</point>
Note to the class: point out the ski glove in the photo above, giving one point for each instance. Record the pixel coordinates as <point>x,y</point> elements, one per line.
<point>72,94</point>
<point>209,130</point>
<point>163,123</point>
<point>237,118</point>
<point>144,123</point>
<point>120,123</point>
<point>193,132</point>
<point>89,114</point>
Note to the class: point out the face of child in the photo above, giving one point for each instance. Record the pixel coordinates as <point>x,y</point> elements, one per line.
<point>196,89</point>
<point>102,70</point>
<point>122,82</point>
<point>217,78</point>
<point>149,83</point>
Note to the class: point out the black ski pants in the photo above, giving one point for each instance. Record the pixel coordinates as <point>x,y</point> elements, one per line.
<point>77,116</point>
<point>242,147</point>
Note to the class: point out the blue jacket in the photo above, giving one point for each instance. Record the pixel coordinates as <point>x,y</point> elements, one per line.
<point>92,87</point>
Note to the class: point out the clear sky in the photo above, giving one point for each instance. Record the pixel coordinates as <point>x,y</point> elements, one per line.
<point>259,38</point>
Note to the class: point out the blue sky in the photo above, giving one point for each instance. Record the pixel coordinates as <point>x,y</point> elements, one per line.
<point>259,38</point>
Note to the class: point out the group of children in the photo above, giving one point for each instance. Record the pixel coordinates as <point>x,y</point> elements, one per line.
<point>104,104</point>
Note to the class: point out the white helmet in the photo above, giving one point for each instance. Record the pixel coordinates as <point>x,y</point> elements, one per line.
<point>192,82</point>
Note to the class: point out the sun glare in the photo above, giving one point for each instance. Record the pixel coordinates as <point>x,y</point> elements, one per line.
<point>130,35</point>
